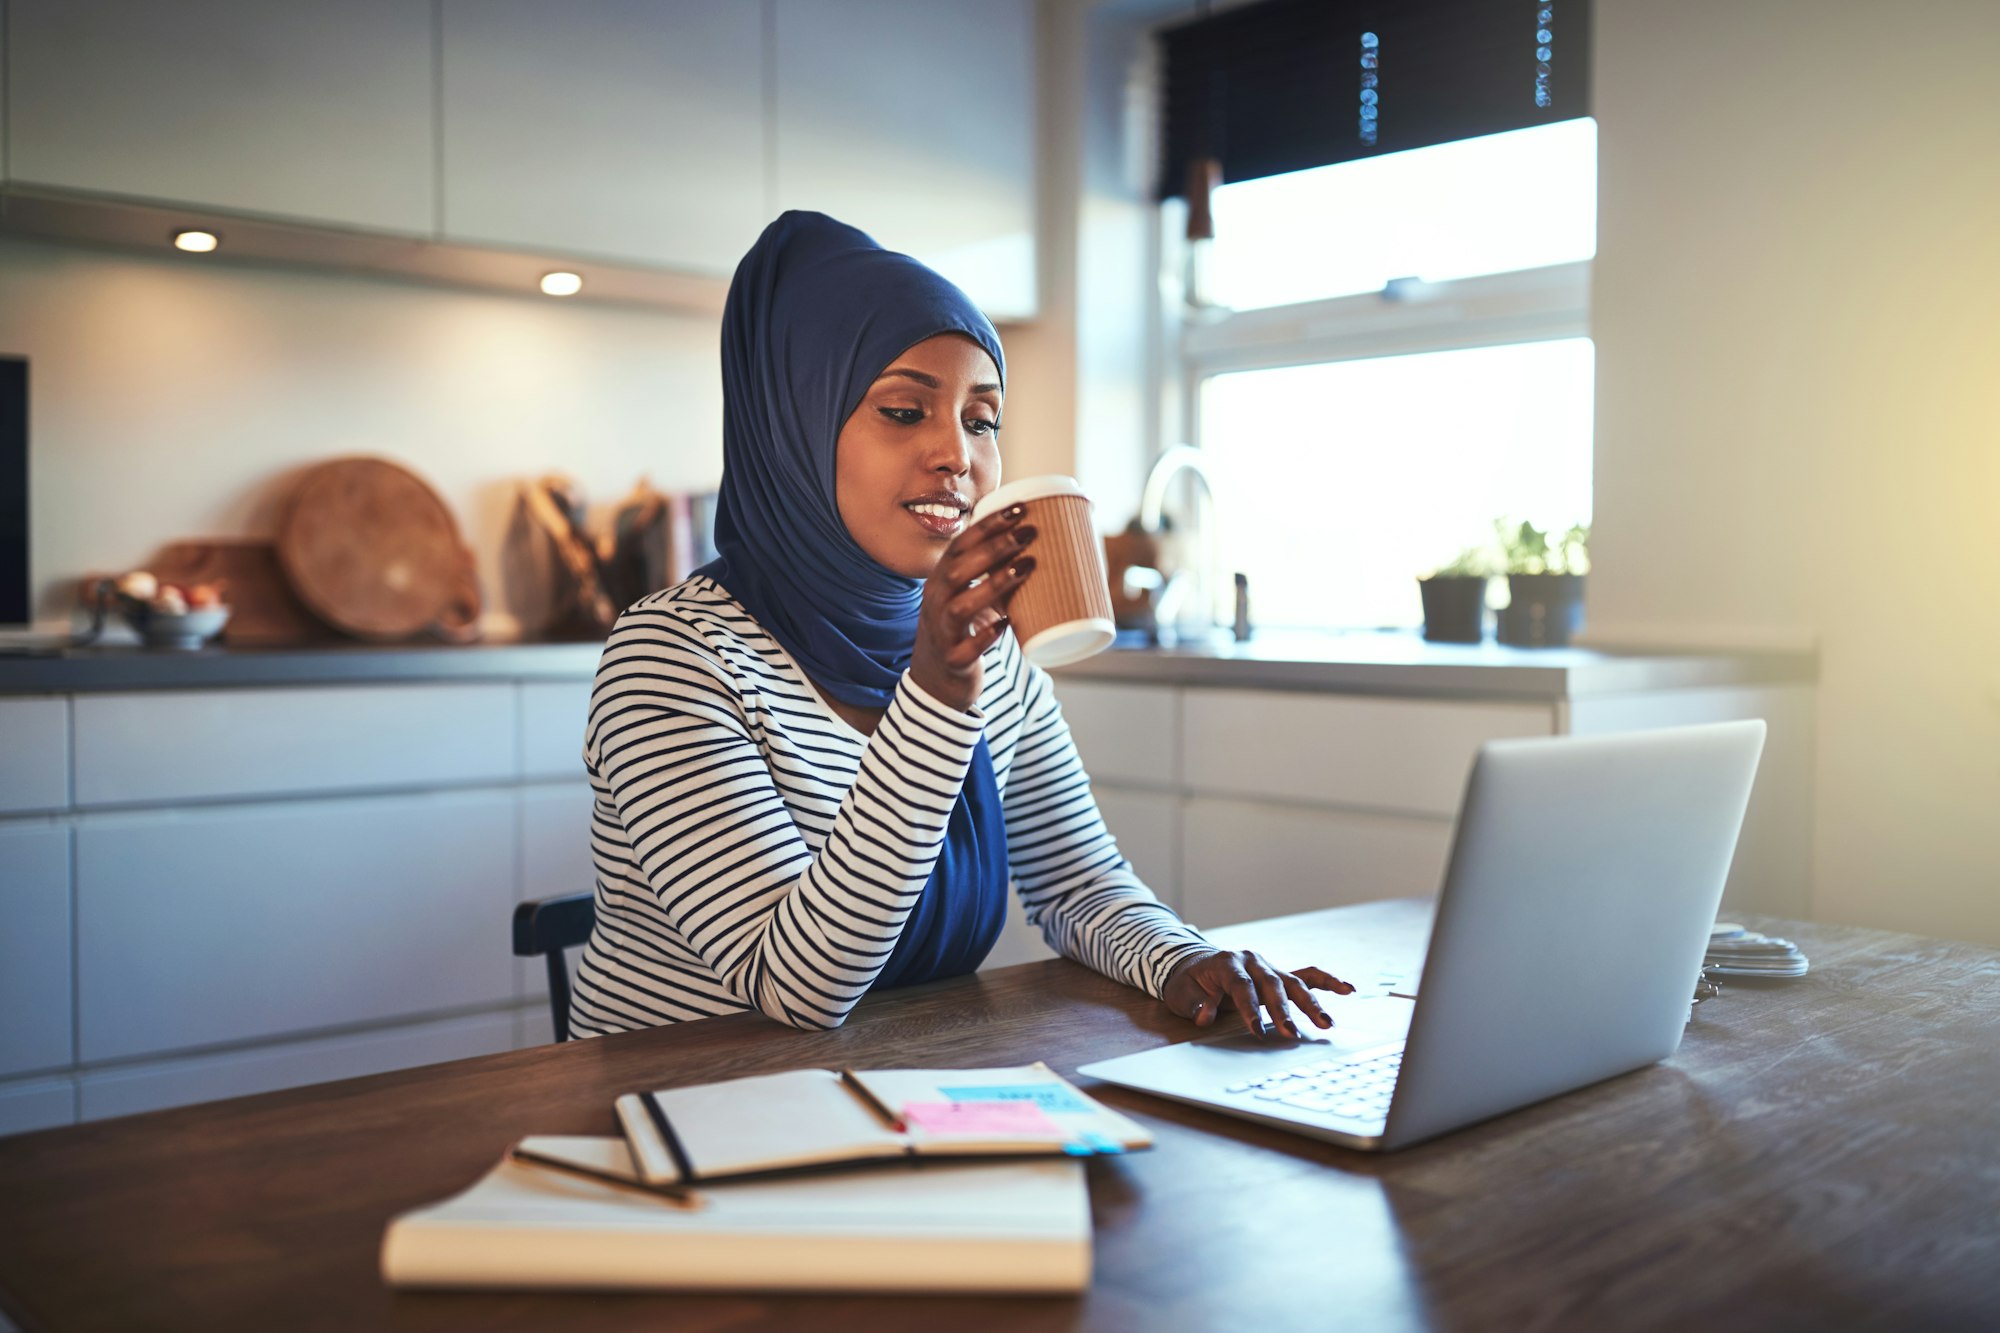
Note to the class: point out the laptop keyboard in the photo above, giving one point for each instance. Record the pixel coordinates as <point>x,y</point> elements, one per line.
<point>1351,1089</point>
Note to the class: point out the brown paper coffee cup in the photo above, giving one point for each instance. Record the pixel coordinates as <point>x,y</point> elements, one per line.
<point>1062,613</point>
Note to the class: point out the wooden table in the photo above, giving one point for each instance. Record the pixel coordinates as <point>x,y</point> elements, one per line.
<point>1821,1154</point>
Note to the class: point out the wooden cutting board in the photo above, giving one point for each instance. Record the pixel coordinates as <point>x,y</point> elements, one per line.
<point>263,609</point>
<point>264,612</point>
<point>372,549</point>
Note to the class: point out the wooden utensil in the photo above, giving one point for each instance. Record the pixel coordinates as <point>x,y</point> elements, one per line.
<point>370,548</point>
<point>546,502</point>
<point>264,611</point>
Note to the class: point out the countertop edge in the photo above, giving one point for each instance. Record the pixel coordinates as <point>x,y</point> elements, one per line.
<point>1476,674</point>
<point>92,671</point>
<point>1600,674</point>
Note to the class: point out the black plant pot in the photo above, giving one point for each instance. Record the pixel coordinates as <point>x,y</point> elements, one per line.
<point>1454,609</point>
<point>1546,612</point>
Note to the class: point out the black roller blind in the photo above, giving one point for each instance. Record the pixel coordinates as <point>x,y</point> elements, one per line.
<point>1284,85</point>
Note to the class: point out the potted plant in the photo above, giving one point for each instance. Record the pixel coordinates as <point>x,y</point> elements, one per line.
<point>1544,584</point>
<point>1455,596</point>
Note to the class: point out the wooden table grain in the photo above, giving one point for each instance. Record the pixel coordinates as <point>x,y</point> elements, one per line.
<point>1823,1153</point>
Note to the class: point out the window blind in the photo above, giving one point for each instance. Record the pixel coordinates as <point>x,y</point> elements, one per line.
<point>1284,85</point>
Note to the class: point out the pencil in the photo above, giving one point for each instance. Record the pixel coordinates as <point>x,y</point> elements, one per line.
<point>860,1089</point>
<point>676,1198</point>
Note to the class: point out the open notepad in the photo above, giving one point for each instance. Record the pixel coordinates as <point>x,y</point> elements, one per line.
<point>1007,1226</point>
<point>822,1117</point>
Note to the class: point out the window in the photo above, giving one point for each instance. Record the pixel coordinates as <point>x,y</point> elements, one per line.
<point>1391,353</point>
<point>1520,200</point>
<point>1343,480</point>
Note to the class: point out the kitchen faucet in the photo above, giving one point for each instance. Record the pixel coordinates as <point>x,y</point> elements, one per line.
<point>1183,583</point>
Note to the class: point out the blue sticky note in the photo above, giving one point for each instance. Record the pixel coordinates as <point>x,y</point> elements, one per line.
<point>1051,1097</point>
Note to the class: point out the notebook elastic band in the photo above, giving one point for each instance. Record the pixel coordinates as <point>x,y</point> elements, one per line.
<point>668,1137</point>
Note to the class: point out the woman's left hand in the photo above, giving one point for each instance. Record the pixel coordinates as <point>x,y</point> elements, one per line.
<point>1204,985</point>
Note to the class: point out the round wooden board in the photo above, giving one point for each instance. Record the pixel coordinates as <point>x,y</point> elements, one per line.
<point>370,548</point>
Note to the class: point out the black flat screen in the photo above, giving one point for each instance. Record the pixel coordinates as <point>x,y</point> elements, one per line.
<point>13,491</point>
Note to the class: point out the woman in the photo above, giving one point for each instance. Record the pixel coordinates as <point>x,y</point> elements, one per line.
<point>819,760</point>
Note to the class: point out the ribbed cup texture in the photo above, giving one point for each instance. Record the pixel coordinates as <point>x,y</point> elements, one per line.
<point>1069,582</point>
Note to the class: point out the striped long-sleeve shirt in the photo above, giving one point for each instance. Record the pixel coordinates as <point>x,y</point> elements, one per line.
<point>754,851</point>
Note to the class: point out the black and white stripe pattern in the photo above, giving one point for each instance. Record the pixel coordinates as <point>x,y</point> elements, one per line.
<point>754,851</point>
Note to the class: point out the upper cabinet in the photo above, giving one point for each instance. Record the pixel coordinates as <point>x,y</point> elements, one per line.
<point>312,111</point>
<point>916,123</point>
<point>631,129</point>
<point>649,135</point>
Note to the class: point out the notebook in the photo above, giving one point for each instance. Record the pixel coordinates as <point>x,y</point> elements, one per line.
<point>1003,1227</point>
<point>823,1117</point>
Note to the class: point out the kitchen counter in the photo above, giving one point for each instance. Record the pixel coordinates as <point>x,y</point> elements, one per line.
<point>129,667</point>
<point>1402,663</point>
<point>1392,663</point>
<point>140,789</point>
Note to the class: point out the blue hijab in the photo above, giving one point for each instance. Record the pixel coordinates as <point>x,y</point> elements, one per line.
<point>815,312</point>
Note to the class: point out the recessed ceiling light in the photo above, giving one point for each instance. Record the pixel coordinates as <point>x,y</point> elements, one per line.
<point>561,284</point>
<point>196,242</point>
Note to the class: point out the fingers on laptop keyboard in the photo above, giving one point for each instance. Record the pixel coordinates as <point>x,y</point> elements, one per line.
<point>1242,993</point>
<point>1301,992</point>
<point>1271,994</point>
<point>1321,979</point>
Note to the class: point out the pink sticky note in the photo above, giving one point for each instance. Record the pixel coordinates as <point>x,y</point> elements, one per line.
<point>990,1120</point>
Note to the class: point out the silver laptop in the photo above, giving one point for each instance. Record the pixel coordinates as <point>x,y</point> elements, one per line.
<point>1609,851</point>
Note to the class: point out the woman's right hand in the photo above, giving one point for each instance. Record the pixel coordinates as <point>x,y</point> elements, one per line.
<point>964,607</point>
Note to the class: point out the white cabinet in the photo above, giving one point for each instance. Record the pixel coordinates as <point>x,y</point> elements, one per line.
<point>212,744</point>
<point>130,1089</point>
<point>196,928</point>
<point>34,947</point>
<point>553,716</point>
<point>1241,804</point>
<point>662,133</point>
<point>555,858</point>
<point>1147,827</point>
<point>1126,734</point>
<point>315,111</point>
<point>1246,860</point>
<point>1127,738</point>
<point>1019,942</point>
<point>34,754</point>
<point>916,123</point>
<point>259,887</point>
<point>631,129</point>
<point>37,1104</point>
<point>1405,755</point>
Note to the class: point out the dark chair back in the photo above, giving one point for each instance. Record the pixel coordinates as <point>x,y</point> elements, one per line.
<point>547,926</point>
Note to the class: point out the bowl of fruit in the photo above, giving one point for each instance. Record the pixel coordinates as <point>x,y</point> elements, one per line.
<point>166,615</point>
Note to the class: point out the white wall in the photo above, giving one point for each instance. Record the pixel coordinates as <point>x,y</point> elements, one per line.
<point>174,398</point>
<point>1797,315</point>
<point>1094,380</point>
<point>171,398</point>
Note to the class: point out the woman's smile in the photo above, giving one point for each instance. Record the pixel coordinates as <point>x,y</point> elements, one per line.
<point>943,516</point>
